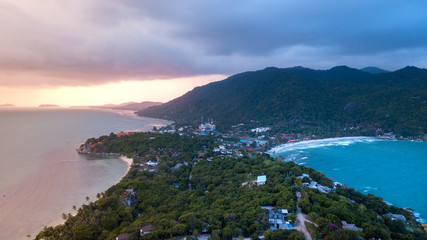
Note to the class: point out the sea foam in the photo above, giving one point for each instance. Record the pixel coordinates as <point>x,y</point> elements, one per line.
<point>319,143</point>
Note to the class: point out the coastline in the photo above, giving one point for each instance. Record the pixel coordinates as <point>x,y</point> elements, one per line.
<point>128,161</point>
<point>289,146</point>
<point>62,164</point>
<point>338,141</point>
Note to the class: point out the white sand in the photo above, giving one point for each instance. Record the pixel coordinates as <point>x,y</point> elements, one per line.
<point>288,146</point>
<point>128,161</point>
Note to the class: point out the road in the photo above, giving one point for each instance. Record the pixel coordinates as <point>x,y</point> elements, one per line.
<point>301,219</point>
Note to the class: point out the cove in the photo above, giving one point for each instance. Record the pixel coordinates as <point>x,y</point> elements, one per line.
<point>393,170</point>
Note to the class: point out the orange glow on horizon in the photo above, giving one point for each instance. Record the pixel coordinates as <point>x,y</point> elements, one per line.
<point>115,93</point>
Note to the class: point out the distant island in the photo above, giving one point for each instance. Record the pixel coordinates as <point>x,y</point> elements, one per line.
<point>48,106</point>
<point>133,106</point>
<point>7,105</point>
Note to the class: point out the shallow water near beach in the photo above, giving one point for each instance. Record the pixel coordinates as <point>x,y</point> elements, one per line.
<point>41,174</point>
<point>393,170</point>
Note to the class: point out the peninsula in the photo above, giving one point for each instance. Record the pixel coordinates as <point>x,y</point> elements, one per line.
<point>199,182</point>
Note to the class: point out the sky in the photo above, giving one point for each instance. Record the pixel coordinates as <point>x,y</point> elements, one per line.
<point>93,52</point>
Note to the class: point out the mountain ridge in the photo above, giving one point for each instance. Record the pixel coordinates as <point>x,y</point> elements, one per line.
<point>318,102</point>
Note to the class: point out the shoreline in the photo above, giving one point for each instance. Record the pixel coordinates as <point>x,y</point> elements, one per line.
<point>128,161</point>
<point>281,148</point>
<point>315,143</point>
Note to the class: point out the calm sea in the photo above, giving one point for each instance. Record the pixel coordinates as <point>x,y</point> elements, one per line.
<point>42,176</point>
<point>393,170</point>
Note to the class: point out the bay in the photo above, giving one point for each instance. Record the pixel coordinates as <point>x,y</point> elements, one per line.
<point>393,170</point>
<point>41,174</point>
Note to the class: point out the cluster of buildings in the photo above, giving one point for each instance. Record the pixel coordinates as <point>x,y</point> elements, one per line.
<point>260,129</point>
<point>149,166</point>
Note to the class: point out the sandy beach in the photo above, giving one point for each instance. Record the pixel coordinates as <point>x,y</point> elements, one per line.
<point>319,142</point>
<point>128,161</point>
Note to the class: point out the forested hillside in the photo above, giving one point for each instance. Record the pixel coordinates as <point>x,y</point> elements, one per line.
<point>336,102</point>
<point>195,191</point>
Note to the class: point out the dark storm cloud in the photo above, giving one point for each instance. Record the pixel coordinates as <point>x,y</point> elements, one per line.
<point>93,42</point>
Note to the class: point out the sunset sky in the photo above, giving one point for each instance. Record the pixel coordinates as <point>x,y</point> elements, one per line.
<point>91,52</point>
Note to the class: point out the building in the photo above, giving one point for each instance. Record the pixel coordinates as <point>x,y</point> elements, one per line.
<point>129,197</point>
<point>122,236</point>
<point>261,180</point>
<point>396,217</point>
<point>146,229</point>
<point>207,127</point>
<point>260,129</point>
<point>278,218</point>
<point>350,226</point>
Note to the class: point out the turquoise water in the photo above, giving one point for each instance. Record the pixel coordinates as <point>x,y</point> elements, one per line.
<point>41,174</point>
<point>393,170</point>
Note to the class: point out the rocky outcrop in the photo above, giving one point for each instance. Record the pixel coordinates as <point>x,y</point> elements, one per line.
<point>94,148</point>
<point>85,148</point>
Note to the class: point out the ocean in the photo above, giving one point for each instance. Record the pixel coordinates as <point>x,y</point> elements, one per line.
<point>41,174</point>
<point>393,170</point>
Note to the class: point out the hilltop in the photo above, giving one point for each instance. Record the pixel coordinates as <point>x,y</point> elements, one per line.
<point>373,70</point>
<point>341,101</point>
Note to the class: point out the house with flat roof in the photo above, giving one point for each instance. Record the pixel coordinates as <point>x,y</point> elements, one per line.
<point>278,218</point>
<point>261,180</point>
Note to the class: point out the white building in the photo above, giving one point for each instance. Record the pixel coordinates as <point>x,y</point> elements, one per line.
<point>207,127</point>
<point>261,180</point>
